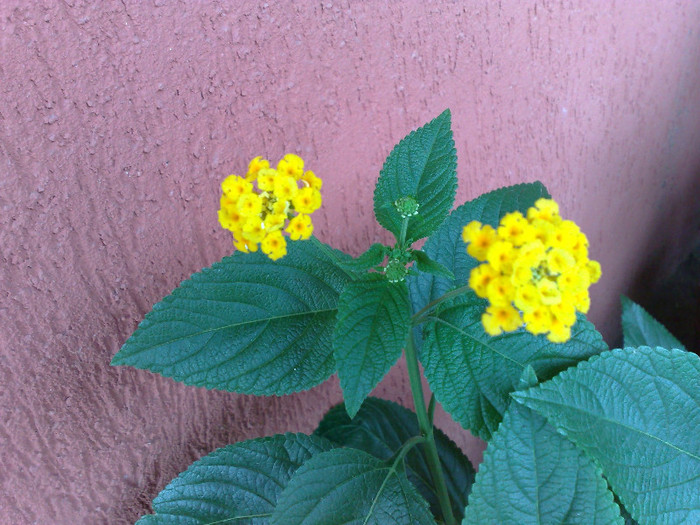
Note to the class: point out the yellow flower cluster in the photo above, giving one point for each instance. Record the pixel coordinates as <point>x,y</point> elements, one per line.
<point>535,271</point>
<point>259,215</point>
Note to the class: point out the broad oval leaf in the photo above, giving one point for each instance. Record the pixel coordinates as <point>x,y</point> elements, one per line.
<point>237,484</point>
<point>381,427</point>
<point>246,324</point>
<point>641,329</point>
<point>373,321</point>
<point>637,413</point>
<point>531,474</point>
<point>346,486</point>
<point>472,373</point>
<point>423,166</point>
<point>446,246</point>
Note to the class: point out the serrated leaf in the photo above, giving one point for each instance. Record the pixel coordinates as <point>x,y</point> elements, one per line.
<point>533,475</point>
<point>237,484</point>
<point>426,264</point>
<point>446,247</point>
<point>641,329</point>
<point>637,413</point>
<point>381,427</point>
<point>247,324</point>
<point>373,321</point>
<point>373,257</point>
<point>422,166</point>
<point>349,487</point>
<point>472,373</point>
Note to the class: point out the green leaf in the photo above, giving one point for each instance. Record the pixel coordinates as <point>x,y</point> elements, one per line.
<point>247,324</point>
<point>381,427</point>
<point>423,166</point>
<point>472,373</point>
<point>641,329</point>
<point>350,487</point>
<point>426,264</point>
<point>373,321</point>
<point>372,258</point>
<point>237,484</point>
<point>637,413</point>
<point>533,475</point>
<point>446,247</point>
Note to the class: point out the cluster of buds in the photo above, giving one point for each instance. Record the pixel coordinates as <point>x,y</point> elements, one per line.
<point>259,207</point>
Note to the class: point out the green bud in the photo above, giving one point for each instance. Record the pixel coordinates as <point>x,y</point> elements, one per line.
<point>407,207</point>
<point>395,271</point>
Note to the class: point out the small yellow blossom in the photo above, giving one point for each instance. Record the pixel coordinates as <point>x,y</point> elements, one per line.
<point>291,165</point>
<point>312,180</point>
<point>285,187</point>
<point>499,319</point>
<point>256,209</point>
<point>535,271</point>
<point>257,164</point>
<point>307,200</point>
<point>479,239</point>
<point>300,227</point>
<point>274,245</point>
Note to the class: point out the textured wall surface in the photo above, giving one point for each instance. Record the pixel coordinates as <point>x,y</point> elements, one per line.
<point>119,119</point>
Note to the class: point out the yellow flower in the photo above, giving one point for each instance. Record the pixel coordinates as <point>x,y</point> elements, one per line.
<point>234,186</point>
<point>544,209</point>
<point>274,222</point>
<point>501,256</point>
<point>559,260</point>
<point>253,230</point>
<point>527,298</point>
<point>266,179</point>
<point>300,227</point>
<point>594,271</point>
<point>291,165</point>
<point>548,291</point>
<point>280,207</point>
<point>480,277</point>
<point>535,271</point>
<point>499,319</point>
<point>312,180</point>
<point>249,204</point>
<point>558,331</point>
<point>479,238</point>
<point>515,229</point>
<point>274,245</point>
<point>538,320</point>
<point>500,291</point>
<point>307,200</point>
<point>285,187</point>
<point>257,164</point>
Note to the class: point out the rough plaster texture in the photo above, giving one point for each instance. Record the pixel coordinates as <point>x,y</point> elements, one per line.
<point>118,120</point>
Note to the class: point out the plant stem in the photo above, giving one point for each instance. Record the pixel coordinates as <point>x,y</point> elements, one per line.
<point>404,229</point>
<point>426,429</point>
<point>416,318</point>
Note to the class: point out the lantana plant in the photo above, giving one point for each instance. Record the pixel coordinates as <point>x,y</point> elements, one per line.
<point>492,306</point>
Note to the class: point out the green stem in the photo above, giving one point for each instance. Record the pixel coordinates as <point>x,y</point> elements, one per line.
<point>431,408</point>
<point>417,317</point>
<point>404,229</point>
<point>426,429</point>
<point>405,449</point>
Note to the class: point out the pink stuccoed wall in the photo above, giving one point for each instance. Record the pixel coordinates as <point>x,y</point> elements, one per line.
<point>118,120</point>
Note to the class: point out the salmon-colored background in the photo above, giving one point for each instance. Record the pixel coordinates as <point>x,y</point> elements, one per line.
<point>119,119</point>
